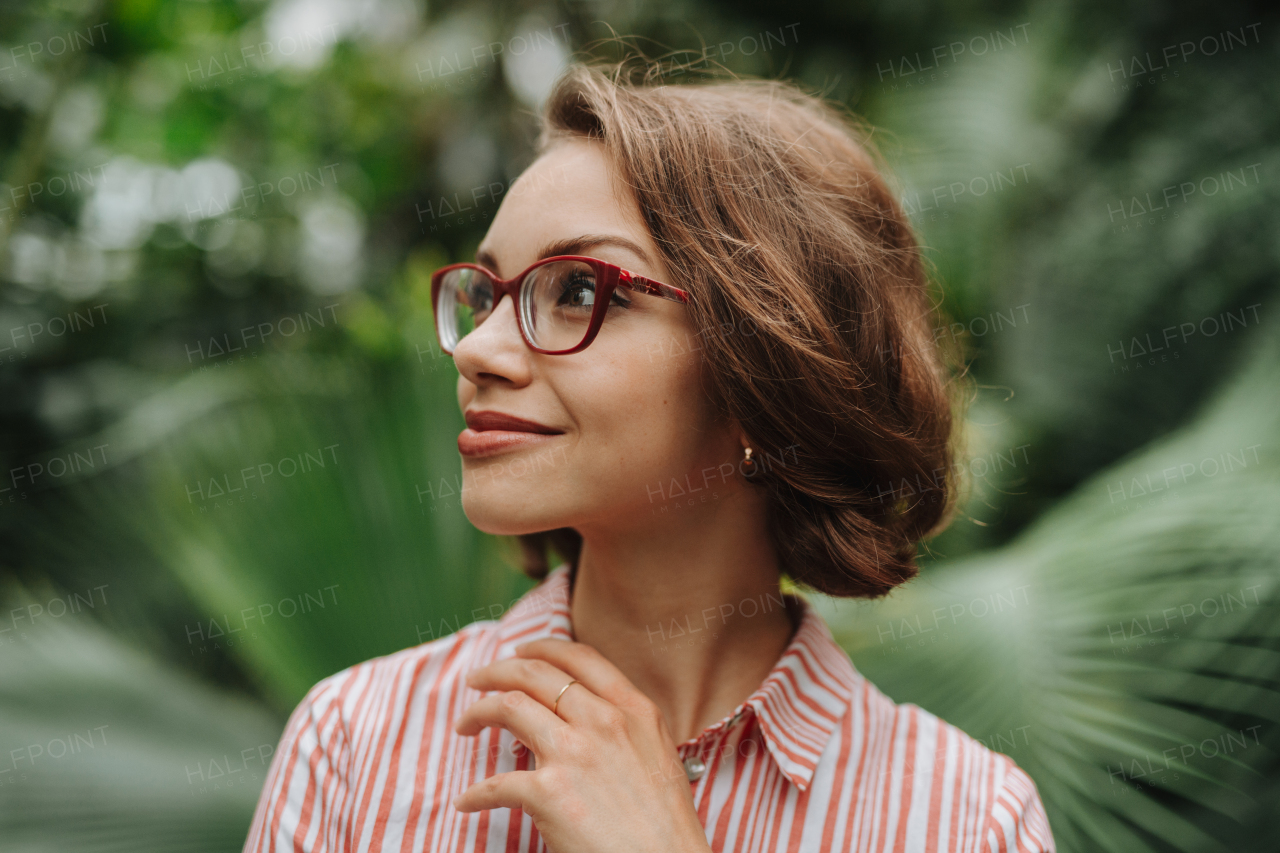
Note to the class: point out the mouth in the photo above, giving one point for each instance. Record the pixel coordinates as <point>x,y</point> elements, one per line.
<point>489,433</point>
<point>485,421</point>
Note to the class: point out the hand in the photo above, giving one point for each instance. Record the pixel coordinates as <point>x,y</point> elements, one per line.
<point>608,776</point>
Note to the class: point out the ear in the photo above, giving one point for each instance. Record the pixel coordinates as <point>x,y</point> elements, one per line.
<point>739,436</point>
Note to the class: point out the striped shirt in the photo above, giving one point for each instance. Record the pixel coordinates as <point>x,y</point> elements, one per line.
<point>816,759</point>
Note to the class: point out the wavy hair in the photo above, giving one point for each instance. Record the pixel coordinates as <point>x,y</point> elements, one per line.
<point>769,205</point>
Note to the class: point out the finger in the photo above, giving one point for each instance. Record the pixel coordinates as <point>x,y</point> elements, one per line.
<point>504,791</point>
<point>537,678</point>
<point>587,665</point>
<point>529,720</point>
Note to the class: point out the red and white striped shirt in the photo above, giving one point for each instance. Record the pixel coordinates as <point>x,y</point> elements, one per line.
<point>816,759</point>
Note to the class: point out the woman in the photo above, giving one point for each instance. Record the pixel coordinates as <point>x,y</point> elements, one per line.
<point>714,368</point>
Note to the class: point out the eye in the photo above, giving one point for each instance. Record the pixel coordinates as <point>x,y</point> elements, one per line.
<point>478,294</point>
<point>578,290</point>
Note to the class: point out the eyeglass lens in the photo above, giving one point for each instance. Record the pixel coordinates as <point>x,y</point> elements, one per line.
<point>555,304</point>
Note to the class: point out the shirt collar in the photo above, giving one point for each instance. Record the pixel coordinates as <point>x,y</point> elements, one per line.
<point>797,706</point>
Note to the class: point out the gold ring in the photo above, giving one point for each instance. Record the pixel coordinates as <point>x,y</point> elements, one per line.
<point>556,704</point>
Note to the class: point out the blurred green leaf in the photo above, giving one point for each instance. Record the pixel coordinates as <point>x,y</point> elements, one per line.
<point>310,508</point>
<point>107,749</point>
<point>1106,648</point>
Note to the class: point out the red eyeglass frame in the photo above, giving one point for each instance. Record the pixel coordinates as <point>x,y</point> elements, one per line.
<point>608,277</point>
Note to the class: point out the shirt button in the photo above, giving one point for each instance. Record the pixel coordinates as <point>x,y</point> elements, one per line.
<point>694,767</point>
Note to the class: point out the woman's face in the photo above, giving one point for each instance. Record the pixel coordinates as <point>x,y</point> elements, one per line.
<point>630,410</point>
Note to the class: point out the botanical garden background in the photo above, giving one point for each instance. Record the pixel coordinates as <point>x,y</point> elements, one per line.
<point>227,435</point>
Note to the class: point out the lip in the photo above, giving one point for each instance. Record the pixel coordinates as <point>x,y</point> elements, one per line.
<point>485,420</point>
<point>489,433</point>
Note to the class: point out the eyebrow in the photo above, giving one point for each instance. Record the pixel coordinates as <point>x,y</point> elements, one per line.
<point>573,246</point>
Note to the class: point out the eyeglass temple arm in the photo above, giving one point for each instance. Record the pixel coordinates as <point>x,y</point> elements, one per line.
<point>651,287</point>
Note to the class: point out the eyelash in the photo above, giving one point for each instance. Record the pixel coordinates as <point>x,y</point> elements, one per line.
<point>618,300</point>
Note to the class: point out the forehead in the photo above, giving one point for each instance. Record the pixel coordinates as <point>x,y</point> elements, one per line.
<point>568,191</point>
<point>571,163</point>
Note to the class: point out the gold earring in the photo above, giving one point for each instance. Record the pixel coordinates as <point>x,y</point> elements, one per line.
<point>748,467</point>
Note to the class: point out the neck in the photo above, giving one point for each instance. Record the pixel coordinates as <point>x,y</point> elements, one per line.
<point>691,613</point>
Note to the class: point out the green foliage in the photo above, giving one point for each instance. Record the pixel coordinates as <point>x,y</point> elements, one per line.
<point>111,750</point>
<point>307,504</point>
<point>1120,649</point>
<point>200,200</point>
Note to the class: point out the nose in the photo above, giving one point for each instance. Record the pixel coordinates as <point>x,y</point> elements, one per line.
<point>494,350</point>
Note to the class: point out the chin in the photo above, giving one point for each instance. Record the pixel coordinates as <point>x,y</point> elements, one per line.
<point>510,510</point>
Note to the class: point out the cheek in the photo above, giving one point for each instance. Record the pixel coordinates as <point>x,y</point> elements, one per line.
<point>638,422</point>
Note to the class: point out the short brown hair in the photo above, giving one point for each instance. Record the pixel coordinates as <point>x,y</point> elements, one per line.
<point>768,205</point>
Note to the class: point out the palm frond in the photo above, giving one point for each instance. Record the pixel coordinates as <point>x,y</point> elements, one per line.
<point>1122,649</point>
<point>107,749</point>
<point>304,508</point>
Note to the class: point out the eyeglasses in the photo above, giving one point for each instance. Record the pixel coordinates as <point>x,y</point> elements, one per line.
<point>561,302</point>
